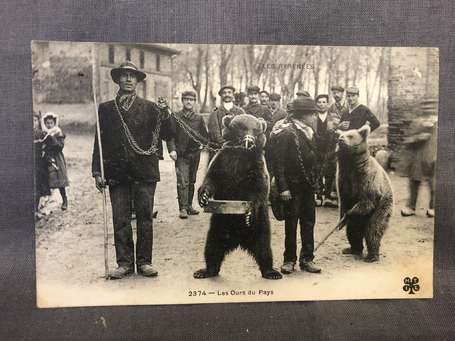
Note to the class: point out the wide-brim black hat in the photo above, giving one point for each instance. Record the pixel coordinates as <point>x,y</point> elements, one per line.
<point>130,67</point>
<point>304,105</point>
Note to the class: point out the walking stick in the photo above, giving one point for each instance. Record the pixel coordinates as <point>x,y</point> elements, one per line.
<point>100,148</point>
<point>339,226</point>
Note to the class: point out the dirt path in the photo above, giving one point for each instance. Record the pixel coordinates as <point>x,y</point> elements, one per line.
<point>70,264</point>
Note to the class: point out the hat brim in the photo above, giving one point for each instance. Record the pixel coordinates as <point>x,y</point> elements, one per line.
<point>225,87</point>
<point>116,73</point>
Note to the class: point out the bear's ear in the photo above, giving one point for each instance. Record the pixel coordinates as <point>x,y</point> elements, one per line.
<point>263,124</point>
<point>227,120</point>
<point>364,131</point>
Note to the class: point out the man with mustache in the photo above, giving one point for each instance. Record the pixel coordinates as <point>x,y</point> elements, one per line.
<point>264,98</point>
<point>294,167</point>
<point>256,109</point>
<point>215,125</point>
<point>131,132</point>
<point>339,106</point>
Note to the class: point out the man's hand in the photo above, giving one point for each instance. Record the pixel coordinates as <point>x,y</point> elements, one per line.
<point>162,103</point>
<point>285,195</point>
<point>203,196</point>
<point>344,125</point>
<point>173,155</point>
<point>100,183</point>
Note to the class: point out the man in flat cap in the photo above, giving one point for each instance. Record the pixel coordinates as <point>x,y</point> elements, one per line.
<point>264,98</point>
<point>278,113</point>
<point>188,152</point>
<point>301,94</point>
<point>339,106</point>
<point>294,167</point>
<point>326,124</point>
<point>215,125</point>
<point>255,108</point>
<point>358,114</point>
<point>131,132</point>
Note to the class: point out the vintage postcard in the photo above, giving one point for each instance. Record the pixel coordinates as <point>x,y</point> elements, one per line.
<point>185,173</point>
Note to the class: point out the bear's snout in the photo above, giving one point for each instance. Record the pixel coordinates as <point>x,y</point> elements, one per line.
<point>249,142</point>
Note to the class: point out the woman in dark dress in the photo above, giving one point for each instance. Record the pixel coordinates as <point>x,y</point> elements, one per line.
<point>41,175</point>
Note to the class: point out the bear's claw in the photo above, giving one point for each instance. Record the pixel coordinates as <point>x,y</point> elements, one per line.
<point>272,274</point>
<point>204,273</point>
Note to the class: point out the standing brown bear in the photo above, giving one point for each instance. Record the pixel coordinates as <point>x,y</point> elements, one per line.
<point>238,172</point>
<point>365,193</point>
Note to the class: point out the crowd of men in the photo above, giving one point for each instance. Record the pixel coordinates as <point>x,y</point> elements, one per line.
<point>299,153</point>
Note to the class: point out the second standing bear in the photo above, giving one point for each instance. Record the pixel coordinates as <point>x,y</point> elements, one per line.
<point>188,152</point>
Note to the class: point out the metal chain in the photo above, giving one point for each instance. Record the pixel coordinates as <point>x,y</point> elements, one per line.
<point>312,182</point>
<point>194,135</point>
<point>153,149</point>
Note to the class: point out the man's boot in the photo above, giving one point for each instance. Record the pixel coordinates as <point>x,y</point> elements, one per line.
<point>310,266</point>
<point>121,272</point>
<point>65,203</point>
<point>190,210</point>
<point>147,270</point>
<point>183,214</point>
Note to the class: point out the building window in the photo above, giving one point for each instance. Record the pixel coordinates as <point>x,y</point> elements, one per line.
<point>158,61</point>
<point>111,54</point>
<point>128,54</point>
<point>141,59</point>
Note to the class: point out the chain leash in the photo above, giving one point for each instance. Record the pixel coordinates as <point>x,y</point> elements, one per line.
<point>311,181</point>
<point>153,149</point>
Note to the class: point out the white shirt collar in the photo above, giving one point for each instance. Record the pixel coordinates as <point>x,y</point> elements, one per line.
<point>322,116</point>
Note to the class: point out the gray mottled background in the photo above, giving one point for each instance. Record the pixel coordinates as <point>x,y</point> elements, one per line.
<point>376,23</point>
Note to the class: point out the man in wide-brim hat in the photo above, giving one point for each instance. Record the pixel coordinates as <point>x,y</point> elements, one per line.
<point>131,132</point>
<point>294,167</point>
<point>127,67</point>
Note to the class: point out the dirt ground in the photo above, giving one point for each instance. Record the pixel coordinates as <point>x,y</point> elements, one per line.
<point>70,262</point>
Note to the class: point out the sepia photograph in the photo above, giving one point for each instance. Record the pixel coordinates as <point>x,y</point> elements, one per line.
<point>221,173</point>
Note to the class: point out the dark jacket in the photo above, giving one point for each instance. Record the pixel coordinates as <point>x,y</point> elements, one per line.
<point>277,115</point>
<point>359,116</point>
<point>286,165</point>
<point>56,164</point>
<point>327,138</point>
<point>121,163</point>
<point>339,109</point>
<point>260,111</point>
<point>215,124</point>
<point>184,144</point>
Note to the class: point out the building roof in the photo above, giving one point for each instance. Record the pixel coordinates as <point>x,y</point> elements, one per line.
<point>162,48</point>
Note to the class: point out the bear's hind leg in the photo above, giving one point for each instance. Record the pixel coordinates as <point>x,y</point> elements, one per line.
<point>374,232</point>
<point>259,248</point>
<point>354,232</point>
<point>218,244</point>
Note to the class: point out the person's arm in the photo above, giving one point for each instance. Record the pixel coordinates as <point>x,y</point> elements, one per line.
<point>372,119</point>
<point>281,144</point>
<point>214,131</point>
<point>202,128</point>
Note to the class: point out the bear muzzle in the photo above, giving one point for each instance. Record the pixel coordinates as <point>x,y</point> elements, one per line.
<point>249,142</point>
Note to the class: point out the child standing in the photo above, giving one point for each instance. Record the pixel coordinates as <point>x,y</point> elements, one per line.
<point>53,155</point>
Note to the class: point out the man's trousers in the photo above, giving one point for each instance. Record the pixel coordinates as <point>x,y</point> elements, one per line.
<point>186,168</point>
<point>121,195</point>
